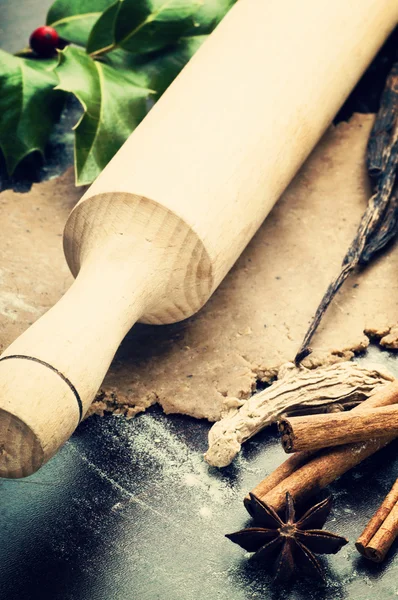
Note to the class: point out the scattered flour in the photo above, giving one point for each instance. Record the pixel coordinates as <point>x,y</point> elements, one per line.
<point>153,444</point>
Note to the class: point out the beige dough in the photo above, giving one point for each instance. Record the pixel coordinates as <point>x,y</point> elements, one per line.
<point>255,321</point>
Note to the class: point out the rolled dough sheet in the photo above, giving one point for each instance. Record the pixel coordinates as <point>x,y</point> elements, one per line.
<point>255,321</point>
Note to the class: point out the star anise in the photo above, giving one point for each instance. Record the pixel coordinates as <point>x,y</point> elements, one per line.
<point>292,542</point>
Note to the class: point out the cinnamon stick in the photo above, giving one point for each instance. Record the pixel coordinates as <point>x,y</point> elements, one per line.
<point>280,474</point>
<point>313,432</point>
<point>297,391</point>
<point>319,469</point>
<point>382,529</point>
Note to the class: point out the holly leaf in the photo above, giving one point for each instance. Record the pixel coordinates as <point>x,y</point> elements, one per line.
<point>74,19</point>
<point>114,102</point>
<point>159,69</point>
<point>129,24</point>
<point>153,24</point>
<point>209,16</point>
<point>29,106</point>
<point>102,35</point>
<point>142,26</point>
<point>146,43</point>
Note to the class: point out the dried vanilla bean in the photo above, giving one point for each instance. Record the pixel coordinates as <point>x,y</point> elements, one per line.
<point>379,224</point>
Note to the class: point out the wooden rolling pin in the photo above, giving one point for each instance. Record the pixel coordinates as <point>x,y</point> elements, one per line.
<point>162,225</point>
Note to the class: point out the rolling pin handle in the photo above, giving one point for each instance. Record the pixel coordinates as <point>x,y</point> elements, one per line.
<point>51,373</point>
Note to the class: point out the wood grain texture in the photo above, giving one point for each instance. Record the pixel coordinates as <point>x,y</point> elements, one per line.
<point>233,129</point>
<point>180,278</point>
<point>162,225</point>
<point>313,432</point>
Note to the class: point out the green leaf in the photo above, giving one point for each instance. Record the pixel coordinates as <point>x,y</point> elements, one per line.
<point>102,36</point>
<point>149,25</point>
<point>209,16</point>
<point>162,70</point>
<point>127,24</point>
<point>29,106</point>
<point>74,19</point>
<point>159,69</point>
<point>143,26</point>
<point>114,102</point>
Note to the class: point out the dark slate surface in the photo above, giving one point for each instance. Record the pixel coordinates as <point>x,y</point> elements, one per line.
<point>129,510</point>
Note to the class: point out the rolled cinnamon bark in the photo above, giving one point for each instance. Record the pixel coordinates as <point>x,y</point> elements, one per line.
<point>280,474</point>
<point>313,432</point>
<point>319,469</point>
<point>382,529</point>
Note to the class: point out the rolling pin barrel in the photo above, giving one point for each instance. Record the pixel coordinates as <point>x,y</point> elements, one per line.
<point>164,222</point>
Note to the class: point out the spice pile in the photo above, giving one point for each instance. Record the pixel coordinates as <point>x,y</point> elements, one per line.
<point>325,446</point>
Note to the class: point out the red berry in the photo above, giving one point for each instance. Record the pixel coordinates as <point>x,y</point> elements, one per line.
<point>44,40</point>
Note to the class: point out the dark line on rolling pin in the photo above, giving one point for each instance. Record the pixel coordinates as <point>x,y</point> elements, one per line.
<point>67,381</point>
